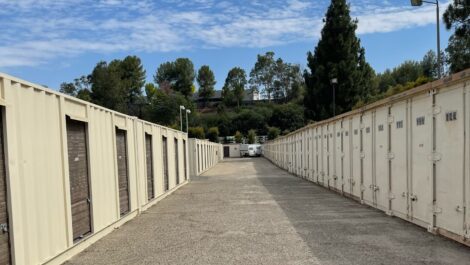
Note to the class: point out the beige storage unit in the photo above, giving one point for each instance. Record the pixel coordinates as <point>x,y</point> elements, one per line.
<point>356,157</point>
<point>338,156</point>
<point>381,166</point>
<point>399,127</point>
<point>407,155</point>
<point>203,155</point>
<point>347,165</point>
<point>72,171</point>
<point>233,150</point>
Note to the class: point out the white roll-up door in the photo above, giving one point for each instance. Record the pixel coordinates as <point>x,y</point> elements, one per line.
<point>399,128</point>
<point>381,184</point>
<point>367,153</point>
<point>450,164</point>
<point>356,156</point>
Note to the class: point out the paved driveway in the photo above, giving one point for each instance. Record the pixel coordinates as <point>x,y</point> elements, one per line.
<point>247,211</point>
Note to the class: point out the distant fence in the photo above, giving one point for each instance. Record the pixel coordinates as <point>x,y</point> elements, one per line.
<point>72,171</point>
<point>407,155</point>
<point>203,155</point>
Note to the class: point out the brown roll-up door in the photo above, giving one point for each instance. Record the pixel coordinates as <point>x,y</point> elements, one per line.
<point>166,183</point>
<point>4,235</point>
<point>79,182</point>
<point>177,163</point>
<point>185,161</point>
<point>226,151</point>
<point>121,150</point>
<point>149,161</point>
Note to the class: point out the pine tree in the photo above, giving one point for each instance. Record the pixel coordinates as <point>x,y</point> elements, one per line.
<point>338,55</point>
<point>206,80</point>
<point>457,16</point>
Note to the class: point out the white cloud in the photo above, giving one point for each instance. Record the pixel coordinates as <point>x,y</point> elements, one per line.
<point>39,31</point>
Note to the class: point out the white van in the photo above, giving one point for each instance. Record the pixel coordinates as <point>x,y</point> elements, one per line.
<point>250,150</point>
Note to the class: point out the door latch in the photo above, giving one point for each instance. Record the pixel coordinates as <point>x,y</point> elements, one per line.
<point>459,208</point>
<point>4,228</point>
<point>413,198</point>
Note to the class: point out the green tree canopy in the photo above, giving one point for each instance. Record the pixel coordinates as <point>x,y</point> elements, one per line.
<point>238,137</point>
<point>338,55</point>
<point>262,74</point>
<point>234,87</point>
<point>118,85</point>
<point>80,88</point>
<point>430,65</point>
<point>457,16</point>
<point>206,81</point>
<point>289,82</point>
<point>163,107</point>
<point>178,75</point>
<point>273,133</point>
<point>251,136</point>
<point>287,117</point>
<point>458,53</point>
<point>213,134</point>
<point>196,132</point>
<point>106,89</point>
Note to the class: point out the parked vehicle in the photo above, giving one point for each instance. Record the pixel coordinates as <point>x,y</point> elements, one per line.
<point>250,150</point>
<point>244,150</point>
<point>259,150</point>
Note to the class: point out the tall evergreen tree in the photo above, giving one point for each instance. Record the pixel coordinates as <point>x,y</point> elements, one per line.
<point>338,55</point>
<point>234,87</point>
<point>457,16</point>
<point>262,75</point>
<point>179,75</point>
<point>118,85</point>
<point>206,80</point>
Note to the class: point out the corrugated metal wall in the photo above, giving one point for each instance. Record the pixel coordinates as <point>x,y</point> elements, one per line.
<point>407,155</point>
<point>203,155</point>
<point>40,168</point>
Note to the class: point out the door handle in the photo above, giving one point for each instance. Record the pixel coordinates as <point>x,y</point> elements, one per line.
<point>4,228</point>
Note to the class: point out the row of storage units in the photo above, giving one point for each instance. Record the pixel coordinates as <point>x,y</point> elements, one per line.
<point>203,155</point>
<point>407,155</point>
<point>71,171</point>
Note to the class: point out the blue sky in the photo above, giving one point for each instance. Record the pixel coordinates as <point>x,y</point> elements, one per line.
<point>52,41</point>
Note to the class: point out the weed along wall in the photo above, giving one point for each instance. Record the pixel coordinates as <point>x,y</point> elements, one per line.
<point>407,155</point>
<point>203,155</point>
<point>72,171</point>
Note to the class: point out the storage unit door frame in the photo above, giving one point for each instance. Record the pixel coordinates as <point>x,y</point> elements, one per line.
<point>367,159</point>
<point>449,159</point>
<point>399,157</point>
<point>5,249</point>
<point>356,157</point>
<point>226,151</point>
<point>149,166</point>
<point>421,183</point>
<point>338,157</point>
<point>381,167</point>
<point>185,160</point>
<point>80,195</point>
<point>177,162</point>
<point>347,155</point>
<point>166,179</point>
<point>123,171</point>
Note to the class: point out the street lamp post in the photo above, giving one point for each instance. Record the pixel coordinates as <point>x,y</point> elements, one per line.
<point>181,117</point>
<point>187,112</point>
<point>439,59</point>
<point>334,81</point>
